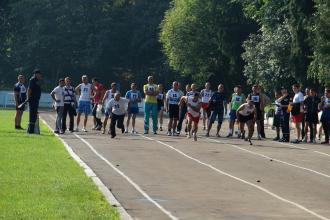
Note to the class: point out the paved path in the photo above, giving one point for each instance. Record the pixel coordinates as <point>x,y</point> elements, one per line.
<point>159,177</point>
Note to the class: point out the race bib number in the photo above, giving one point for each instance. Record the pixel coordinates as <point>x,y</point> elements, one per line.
<point>151,88</point>
<point>238,99</point>
<point>255,98</point>
<point>116,106</point>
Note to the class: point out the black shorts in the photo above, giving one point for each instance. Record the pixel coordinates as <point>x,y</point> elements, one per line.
<point>244,119</point>
<point>21,108</point>
<point>277,121</point>
<point>312,118</point>
<point>173,111</point>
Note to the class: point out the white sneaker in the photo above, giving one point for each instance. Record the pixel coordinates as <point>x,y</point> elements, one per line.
<point>188,135</point>
<point>126,131</point>
<point>169,133</point>
<point>83,130</point>
<point>259,137</point>
<point>77,129</point>
<point>175,134</point>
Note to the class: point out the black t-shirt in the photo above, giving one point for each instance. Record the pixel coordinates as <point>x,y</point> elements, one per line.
<point>217,101</point>
<point>285,101</point>
<point>35,88</point>
<point>311,104</point>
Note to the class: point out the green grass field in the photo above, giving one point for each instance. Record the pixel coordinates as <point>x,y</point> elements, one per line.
<point>39,179</point>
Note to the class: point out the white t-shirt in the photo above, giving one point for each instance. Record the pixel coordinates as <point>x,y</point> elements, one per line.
<point>118,107</point>
<point>247,110</point>
<point>206,95</point>
<point>194,104</point>
<point>110,95</point>
<point>85,92</point>
<point>59,95</point>
<point>173,97</point>
<point>299,97</point>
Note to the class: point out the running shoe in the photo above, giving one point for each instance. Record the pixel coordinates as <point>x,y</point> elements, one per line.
<point>126,131</point>
<point>259,137</point>
<point>174,134</point>
<point>188,135</point>
<point>169,133</point>
<point>83,130</point>
<point>217,135</point>
<point>276,139</point>
<point>229,135</point>
<point>296,141</point>
<point>76,130</point>
<point>195,136</point>
<point>155,132</point>
<point>146,132</point>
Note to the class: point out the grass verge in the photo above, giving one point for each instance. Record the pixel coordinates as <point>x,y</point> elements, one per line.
<point>39,179</point>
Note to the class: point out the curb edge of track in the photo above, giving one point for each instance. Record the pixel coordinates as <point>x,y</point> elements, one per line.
<point>113,202</point>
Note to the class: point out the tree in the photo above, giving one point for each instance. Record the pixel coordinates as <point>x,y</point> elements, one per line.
<point>320,66</point>
<point>203,39</point>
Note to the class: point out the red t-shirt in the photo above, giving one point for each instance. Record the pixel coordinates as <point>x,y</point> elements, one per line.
<point>98,89</point>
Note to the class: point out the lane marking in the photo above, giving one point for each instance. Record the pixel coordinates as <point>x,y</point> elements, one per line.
<point>136,186</point>
<point>270,158</point>
<point>239,179</point>
<point>90,173</point>
<point>319,152</point>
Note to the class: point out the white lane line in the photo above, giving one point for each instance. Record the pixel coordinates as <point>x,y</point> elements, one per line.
<point>240,180</point>
<point>291,145</point>
<point>97,181</point>
<point>136,186</point>
<point>270,158</point>
<point>318,152</point>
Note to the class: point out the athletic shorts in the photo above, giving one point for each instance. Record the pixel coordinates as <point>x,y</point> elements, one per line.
<point>160,107</point>
<point>214,115</point>
<point>133,110</point>
<point>21,108</point>
<point>194,119</point>
<point>84,107</point>
<point>297,118</point>
<point>232,115</point>
<point>173,111</point>
<point>312,118</point>
<point>205,105</point>
<point>277,121</point>
<point>244,119</point>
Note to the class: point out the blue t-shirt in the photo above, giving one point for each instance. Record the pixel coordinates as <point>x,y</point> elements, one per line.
<point>326,109</point>
<point>133,97</point>
<point>21,90</point>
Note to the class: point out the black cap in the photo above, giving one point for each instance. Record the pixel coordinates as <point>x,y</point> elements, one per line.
<point>37,71</point>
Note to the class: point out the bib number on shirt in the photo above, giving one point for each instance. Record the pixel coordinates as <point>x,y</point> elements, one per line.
<point>255,98</point>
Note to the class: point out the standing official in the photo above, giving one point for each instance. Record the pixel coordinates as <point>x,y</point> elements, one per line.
<point>69,104</point>
<point>34,94</point>
<point>20,97</point>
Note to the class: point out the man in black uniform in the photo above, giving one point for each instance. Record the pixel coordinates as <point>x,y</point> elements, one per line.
<point>34,93</point>
<point>258,102</point>
<point>285,119</point>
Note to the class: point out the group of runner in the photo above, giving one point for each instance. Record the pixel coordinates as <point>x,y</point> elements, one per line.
<point>185,109</point>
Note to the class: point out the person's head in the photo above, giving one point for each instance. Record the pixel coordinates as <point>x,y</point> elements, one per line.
<point>188,88</point>
<point>160,87</point>
<point>37,74</point>
<point>21,78</point>
<point>207,86</point>
<point>95,81</point>
<point>238,89</point>
<point>327,92</point>
<point>255,88</point>
<point>296,88</point>
<point>250,102</point>
<point>67,81</point>
<point>195,97</point>
<point>221,88</point>
<point>307,91</point>
<point>133,86</point>
<point>193,87</point>
<point>284,91</point>
<point>84,79</point>
<point>150,79</point>
<point>312,92</point>
<point>175,85</point>
<point>278,94</point>
<point>61,82</point>
<point>117,96</point>
<point>113,86</point>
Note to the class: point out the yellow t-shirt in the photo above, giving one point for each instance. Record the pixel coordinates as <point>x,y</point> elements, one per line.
<point>149,98</point>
